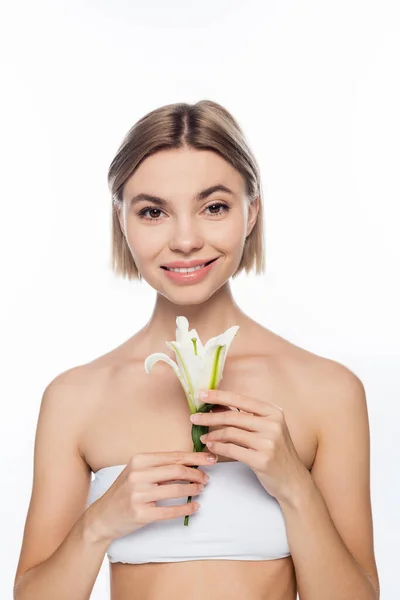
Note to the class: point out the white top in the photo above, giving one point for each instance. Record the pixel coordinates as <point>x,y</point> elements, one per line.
<point>237,520</point>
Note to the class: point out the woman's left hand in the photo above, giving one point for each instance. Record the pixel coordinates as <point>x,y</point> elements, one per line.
<point>261,440</point>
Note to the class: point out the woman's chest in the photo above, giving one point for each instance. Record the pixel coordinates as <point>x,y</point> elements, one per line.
<point>139,412</point>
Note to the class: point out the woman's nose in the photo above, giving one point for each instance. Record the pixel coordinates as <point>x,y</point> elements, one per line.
<point>186,237</point>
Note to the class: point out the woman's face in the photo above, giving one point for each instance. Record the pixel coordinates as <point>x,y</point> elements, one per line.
<point>182,227</point>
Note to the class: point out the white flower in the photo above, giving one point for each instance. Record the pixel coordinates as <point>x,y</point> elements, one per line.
<point>198,367</point>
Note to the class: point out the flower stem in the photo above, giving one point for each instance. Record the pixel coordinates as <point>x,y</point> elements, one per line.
<point>186,522</point>
<point>198,446</point>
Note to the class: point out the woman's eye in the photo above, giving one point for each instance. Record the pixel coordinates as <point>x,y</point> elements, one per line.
<point>151,210</point>
<point>218,205</point>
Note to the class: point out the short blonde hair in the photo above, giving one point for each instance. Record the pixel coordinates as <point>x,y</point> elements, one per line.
<point>205,125</point>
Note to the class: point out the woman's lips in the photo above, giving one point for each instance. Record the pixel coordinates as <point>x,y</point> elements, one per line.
<point>192,276</point>
<point>183,266</point>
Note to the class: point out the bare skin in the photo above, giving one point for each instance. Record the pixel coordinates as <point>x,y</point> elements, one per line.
<point>129,401</point>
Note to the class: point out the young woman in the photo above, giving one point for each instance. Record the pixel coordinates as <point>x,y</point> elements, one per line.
<point>286,507</point>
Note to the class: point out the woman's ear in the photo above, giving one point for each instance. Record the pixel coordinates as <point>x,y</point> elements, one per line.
<point>254,207</point>
<point>120,219</point>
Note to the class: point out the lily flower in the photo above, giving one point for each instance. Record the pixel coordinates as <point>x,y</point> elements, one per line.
<point>197,367</point>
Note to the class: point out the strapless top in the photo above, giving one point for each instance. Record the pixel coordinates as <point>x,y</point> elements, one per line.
<point>237,520</point>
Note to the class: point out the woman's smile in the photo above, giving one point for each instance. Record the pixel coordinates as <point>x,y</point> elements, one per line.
<point>192,275</point>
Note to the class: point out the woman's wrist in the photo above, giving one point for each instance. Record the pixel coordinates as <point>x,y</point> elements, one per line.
<point>92,530</point>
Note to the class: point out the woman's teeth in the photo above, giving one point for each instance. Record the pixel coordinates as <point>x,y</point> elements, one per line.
<point>182,270</point>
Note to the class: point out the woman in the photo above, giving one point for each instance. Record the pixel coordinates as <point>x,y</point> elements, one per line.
<point>287,506</point>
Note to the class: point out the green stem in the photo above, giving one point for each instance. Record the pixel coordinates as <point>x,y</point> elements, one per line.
<point>186,522</point>
<point>198,446</point>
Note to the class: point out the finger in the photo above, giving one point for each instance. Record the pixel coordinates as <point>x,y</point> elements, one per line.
<point>246,455</point>
<point>176,490</point>
<point>237,436</point>
<point>229,417</point>
<point>168,473</point>
<point>160,513</point>
<point>241,401</point>
<point>145,460</point>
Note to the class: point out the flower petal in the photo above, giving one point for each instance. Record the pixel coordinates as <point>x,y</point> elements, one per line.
<point>182,330</point>
<point>184,337</point>
<point>153,358</point>
<point>199,346</point>
<point>185,363</point>
<point>216,350</point>
<point>225,338</point>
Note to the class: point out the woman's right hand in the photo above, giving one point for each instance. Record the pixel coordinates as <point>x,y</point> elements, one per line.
<point>130,502</point>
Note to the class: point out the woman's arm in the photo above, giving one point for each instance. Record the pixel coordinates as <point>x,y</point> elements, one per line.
<point>70,572</point>
<point>329,521</point>
<point>60,556</point>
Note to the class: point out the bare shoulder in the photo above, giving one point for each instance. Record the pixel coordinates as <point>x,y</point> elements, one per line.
<point>333,395</point>
<point>72,387</point>
<point>325,384</point>
<point>92,375</point>
<point>318,372</point>
<point>77,392</point>
<point>82,387</point>
<point>330,384</point>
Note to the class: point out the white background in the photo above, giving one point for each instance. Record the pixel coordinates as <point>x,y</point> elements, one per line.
<point>315,86</point>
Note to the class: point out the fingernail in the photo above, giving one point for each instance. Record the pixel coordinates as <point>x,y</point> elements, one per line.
<point>203,395</point>
<point>211,458</point>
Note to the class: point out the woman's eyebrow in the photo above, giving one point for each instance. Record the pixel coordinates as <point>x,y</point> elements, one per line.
<point>199,196</point>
